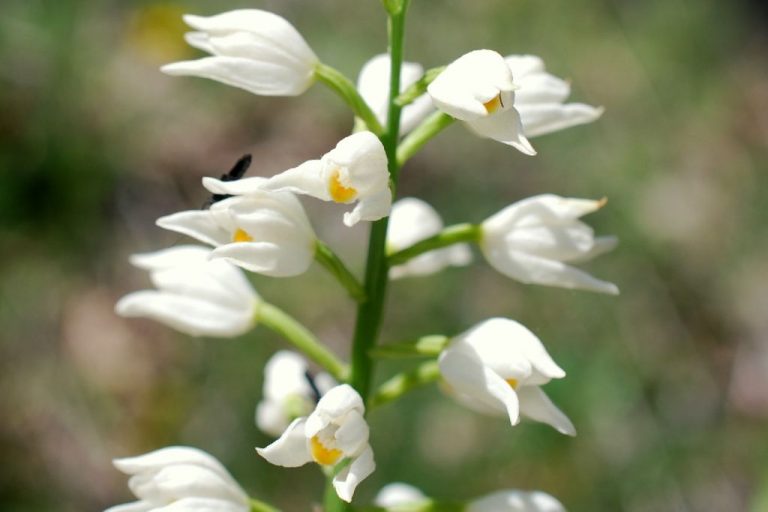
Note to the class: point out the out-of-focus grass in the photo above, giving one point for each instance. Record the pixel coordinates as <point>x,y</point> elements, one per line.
<point>666,384</point>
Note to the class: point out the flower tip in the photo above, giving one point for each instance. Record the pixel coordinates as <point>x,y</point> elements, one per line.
<point>601,202</point>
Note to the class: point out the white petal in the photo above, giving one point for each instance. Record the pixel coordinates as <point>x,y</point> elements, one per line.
<point>516,501</point>
<point>547,118</point>
<point>157,459</point>
<point>470,377</point>
<point>371,208</point>
<point>470,81</point>
<point>199,40</point>
<point>186,314</point>
<point>178,481</point>
<point>271,418</point>
<point>504,126</point>
<point>304,179</point>
<point>363,157</point>
<point>334,404</point>
<point>203,505</point>
<point>180,255</point>
<point>535,404</point>
<point>216,282</point>
<point>411,221</point>
<point>347,481</point>
<point>237,187</point>
<point>290,450</point>
<point>257,77</point>
<point>136,506</point>
<point>286,260</point>
<point>285,375</point>
<point>352,435</point>
<point>503,344</point>
<point>523,65</point>
<point>268,26</point>
<point>540,89</point>
<point>529,269</point>
<point>398,494</point>
<point>198,224</point>
<point>541,209</point>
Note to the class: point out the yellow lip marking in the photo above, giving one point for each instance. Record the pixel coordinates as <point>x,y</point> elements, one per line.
<point>513,383</point>
<point>493,105</point>
<point>323,455</point>
<point>241,236</point>
<point>339,192</point>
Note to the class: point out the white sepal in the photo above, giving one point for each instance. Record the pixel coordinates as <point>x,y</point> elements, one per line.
<point>516,501</point>
<point>496,367</point>
<point>355,171</point>
<point>398,494</point>
<point>541,97</point>
<point>411,221</point>
<point>180,479</point>
<point>194,295</point>
<point>535,239</point>
<point>251,49</point>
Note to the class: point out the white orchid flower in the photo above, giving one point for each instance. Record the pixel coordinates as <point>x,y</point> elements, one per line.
<point>355,171</point>
<point>516,501</point>
<point>289,391</point>
<point>373,85</point>
<point>497,368</point>
<point>535,239</point>
<point>251,49</point>
<point>398,494</point>
<point>541,96</point>
<point>334,431</point>
<point>477,88</point>
<point>264,232</point>
<point>180,479</point>
<point>195,295</point>
<point>411,221</point>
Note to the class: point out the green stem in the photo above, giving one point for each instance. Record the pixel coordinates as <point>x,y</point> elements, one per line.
<point>301,338</point>
<point>448,236</point>
<point>431,126</point>
<point>260,506</point>
<point>342,86</point>
<point>426,346</point>
<point>370,312</point>
<point>327,258</point>
<point>402,383</point>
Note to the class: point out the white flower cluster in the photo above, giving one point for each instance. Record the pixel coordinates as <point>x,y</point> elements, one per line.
<point>259,225</point>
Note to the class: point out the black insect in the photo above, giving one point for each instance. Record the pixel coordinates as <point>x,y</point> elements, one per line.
<point>234,174</point>
<point>313,386</point>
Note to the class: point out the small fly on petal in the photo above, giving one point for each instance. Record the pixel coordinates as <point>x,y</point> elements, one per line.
<point>235,173</point>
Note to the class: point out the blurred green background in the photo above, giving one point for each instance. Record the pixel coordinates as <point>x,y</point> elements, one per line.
<point>667,384</point>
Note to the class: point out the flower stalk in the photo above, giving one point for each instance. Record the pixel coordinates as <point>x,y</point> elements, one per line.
<point>328,259</point>
<point>301,338</point>
<point>260,506</point>
<point>415,140</point>
<point>342,86</point>
<point>451,235</point>
<point>403,383</point>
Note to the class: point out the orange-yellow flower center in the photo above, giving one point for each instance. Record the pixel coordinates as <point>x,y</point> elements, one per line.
<point>241,235</point>
<point>338,191</point>
<point>323,455</point>
<point>513,383</point>
<point>493,105</point>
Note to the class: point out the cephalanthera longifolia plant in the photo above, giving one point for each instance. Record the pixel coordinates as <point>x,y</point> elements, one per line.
<point>495,367</point>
